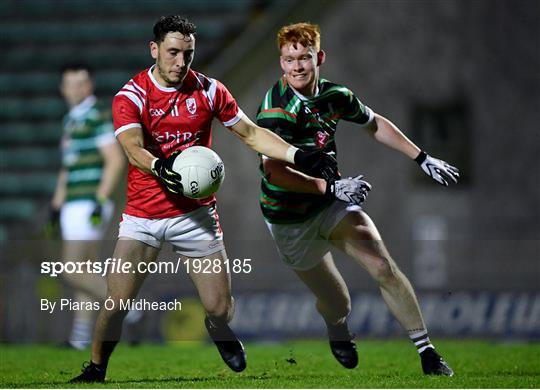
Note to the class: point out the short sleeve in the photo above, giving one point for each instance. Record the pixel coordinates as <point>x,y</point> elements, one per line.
<point>103,128</point>
<point>225,107</point>
<point>126,114</point>
<point>355,111</point>
<point>106,135</point>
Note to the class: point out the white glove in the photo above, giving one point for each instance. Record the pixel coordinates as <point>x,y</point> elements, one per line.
<point>439,170</point>
<point>351,190</point>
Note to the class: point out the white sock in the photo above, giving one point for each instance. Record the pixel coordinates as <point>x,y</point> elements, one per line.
<point>421,340</point>
<point>133,316</point>
<point>81,333</point>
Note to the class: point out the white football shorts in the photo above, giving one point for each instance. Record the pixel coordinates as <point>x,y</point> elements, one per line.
<point>75,220</point>
<point>303,245</point>
<point>195,234</point>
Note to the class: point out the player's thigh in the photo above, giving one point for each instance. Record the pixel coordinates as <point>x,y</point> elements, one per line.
<point>326,282</point>
<point>212,280</point>
<point>79,251</point>
<point>86,280</point>
<point>125,283</point>
<point>357,236</point>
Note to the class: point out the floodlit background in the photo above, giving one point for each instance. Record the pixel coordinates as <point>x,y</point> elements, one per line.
<point>458,77</point>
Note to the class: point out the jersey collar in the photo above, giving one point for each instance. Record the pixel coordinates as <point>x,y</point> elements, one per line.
<point>305,98</point>
<point>82,107</point>
<point>159,86</point>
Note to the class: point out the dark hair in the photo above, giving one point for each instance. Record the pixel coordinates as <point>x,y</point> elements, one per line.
<point>76,66</point>
<point>172,23</point>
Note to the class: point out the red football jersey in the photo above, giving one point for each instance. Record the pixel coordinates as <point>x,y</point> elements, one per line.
<point>171,119</point>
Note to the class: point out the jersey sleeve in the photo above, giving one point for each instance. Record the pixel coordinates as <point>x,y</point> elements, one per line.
<point>225,107</point>
<point>126,113</point>
<point>354,110</point>
<point>101,127</point>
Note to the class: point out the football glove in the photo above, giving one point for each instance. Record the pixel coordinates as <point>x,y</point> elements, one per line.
<point>317,163</point>
<point>52,226</point>
<point>96,218</point>
<point>351,190</point>
<point>162,168</point>
<point>439,170</point>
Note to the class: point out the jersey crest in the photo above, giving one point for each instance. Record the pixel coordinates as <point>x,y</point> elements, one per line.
<point>191,105</point>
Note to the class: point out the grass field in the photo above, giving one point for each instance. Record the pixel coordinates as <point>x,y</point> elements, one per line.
<point>296,364</point>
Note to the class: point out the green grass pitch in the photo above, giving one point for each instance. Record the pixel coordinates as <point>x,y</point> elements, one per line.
<point>303,364</point>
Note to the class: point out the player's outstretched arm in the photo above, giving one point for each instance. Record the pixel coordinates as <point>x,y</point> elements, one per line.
<point>351,190</point>
<point>388,134</point>
<point>285,175</point>
<point>269,144</point>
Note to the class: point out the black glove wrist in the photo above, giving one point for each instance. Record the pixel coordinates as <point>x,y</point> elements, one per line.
<point>421,157</point>
<point>302,158</point>
<point>330,189</point>
<point>317,163</point>
<point>54,215</point>
<point>96,216</point>
<point>51,229</point>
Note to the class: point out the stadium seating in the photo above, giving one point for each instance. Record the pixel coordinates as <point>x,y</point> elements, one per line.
<point>109,35</point>
<point>14,210</point>
<point>17,133</point>
<point>92,31</point>
<point>26,159</point>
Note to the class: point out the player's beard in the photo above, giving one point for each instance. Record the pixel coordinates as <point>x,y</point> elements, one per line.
<point>165,76</point>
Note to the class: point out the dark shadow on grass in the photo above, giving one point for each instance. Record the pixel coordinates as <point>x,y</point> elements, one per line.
<point>261,377</point>
<point>255,378</point>
<point>157,380</point>
<point>97,384</point>
<point>27,385</point>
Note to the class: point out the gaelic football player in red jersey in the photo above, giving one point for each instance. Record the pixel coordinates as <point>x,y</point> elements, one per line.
<point>157,114</point>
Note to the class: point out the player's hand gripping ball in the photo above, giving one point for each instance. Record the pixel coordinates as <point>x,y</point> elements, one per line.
<point>202,171</point>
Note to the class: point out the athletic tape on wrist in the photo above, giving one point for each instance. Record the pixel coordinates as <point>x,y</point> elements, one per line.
<point>289,156</point>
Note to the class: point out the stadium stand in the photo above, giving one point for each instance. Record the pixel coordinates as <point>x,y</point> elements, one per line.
<point>111,36</point>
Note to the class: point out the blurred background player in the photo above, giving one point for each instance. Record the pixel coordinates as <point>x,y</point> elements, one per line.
<point>92,163</point>
<point>308,215</point>
<point>157,114</point>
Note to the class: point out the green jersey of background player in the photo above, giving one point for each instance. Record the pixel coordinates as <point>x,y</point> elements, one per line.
<point>309,215</point>
<point>92,163</point>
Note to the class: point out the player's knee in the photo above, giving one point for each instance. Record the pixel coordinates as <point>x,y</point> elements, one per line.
<point>220,307</point>
<point>384,271</point>
<point>117,306</point>
<point>343,307</point>
<point>112,315</point>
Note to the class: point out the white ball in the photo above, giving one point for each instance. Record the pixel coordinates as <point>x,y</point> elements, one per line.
<point>202,171</point>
